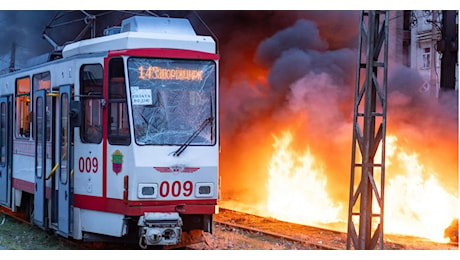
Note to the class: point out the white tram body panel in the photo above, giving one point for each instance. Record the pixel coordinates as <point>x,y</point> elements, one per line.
<point>23,148</point>
<point>146,32</point>
<point>120,136</point>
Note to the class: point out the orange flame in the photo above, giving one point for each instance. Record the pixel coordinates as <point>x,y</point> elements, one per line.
<point>415,201</point>
<point>414,204</point>
<point>296,186</point>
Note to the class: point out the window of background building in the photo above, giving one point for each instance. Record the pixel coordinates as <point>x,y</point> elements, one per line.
<point>426,58</point>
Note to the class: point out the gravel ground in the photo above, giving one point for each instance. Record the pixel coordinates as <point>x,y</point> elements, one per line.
<point>15,235</point>
<point>225,238</point>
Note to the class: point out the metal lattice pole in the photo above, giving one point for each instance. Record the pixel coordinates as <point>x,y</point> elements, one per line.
<point>369,126</point>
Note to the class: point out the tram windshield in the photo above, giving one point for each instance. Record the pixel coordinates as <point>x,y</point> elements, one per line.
<point>172,101</point>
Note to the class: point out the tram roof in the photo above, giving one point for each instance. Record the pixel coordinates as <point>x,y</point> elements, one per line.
<point>146,32</point>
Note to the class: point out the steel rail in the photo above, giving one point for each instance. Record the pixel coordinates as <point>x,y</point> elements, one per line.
<point>275,235</point>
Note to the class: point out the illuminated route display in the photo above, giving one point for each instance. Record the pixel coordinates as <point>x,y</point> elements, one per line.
<point>156,72</point>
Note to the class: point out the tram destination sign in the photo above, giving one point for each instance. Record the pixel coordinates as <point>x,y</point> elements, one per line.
<point>156,72</point>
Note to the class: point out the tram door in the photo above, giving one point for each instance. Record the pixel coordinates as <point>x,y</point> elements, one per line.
<point>39,121</point>
<point>64,155</point>
<point>5,150</point>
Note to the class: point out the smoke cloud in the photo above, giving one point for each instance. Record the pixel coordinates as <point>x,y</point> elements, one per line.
<point>303,35</point>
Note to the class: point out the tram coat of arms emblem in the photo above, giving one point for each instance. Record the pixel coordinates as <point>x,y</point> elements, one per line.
<point>117,161</point>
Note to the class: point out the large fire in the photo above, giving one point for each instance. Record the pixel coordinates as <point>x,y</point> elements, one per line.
<point>296,186</point>
<point>415,201</point>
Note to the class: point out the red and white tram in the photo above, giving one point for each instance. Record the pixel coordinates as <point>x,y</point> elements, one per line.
<point>118,138</point>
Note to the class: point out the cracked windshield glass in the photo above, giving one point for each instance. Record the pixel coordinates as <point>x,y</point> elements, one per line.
<point>171,100</point>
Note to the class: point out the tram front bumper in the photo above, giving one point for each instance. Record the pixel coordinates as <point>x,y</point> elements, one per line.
<point>159,229</point>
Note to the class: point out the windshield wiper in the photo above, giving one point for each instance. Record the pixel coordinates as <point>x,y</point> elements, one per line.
<point>193,136</point>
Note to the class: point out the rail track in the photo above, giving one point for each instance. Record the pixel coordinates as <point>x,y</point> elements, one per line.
<point>315,237</point>
<point>311,237</point>
<point>276,235</point>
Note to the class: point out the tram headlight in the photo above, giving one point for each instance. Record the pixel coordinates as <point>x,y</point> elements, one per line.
<point>147,190</point>
<point>204,190</point>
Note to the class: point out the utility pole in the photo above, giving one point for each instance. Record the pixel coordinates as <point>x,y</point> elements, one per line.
<point>448,46</point>
<point>369,130</point>
<point>13,57</point>
<point>435,34</point>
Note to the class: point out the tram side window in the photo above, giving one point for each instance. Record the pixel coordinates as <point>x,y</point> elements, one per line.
<point>22,108</point>
<point>118,130</point>
<point>43,81</point>
<point>91,76</point>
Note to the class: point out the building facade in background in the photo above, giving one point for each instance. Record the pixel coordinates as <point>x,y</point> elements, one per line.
<point>427,41</point>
